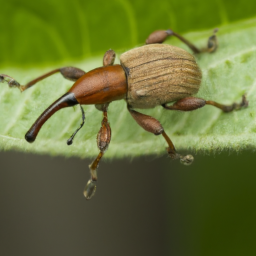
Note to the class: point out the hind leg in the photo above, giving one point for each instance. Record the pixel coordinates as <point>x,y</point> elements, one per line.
<point>159,36</point>
<point>193,103</point>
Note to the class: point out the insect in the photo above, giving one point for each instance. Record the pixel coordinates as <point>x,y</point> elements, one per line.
<point>147,76</point>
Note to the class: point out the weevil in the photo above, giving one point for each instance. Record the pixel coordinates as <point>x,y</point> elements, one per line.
<point>148,76</point>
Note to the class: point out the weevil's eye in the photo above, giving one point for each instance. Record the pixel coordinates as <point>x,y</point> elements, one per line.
<point>90,189</point>
<point>187,160</point>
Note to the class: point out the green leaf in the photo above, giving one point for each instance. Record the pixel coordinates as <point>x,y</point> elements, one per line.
<point>37,33</point>
<point>227,75</point>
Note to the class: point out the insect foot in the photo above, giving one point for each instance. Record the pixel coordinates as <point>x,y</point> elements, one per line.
<point>237,106</point>
<point>244,103</point>
<point>10,81</point>
<point>186,160</point>
<point>212,44</point>
<point>90,189</point>
<point>229,108</point>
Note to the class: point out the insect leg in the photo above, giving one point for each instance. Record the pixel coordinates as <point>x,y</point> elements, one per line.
<point>152,125</point>
<point>228,108</point>
<point>70,73</point>
<point>192,103</point>
<point>109,58</point>
<point>159,36</point>
<point>103,140</point>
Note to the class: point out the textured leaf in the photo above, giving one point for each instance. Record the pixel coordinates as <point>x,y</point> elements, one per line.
<point>227,75</point>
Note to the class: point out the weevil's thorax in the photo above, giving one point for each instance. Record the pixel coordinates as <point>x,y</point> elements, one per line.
<point>159,74</point>
<point>101,85</point>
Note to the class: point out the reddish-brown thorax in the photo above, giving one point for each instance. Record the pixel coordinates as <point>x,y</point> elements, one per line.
<point>101,85</point>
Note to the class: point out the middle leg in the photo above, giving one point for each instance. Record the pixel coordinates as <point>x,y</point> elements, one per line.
<point>152,125</point>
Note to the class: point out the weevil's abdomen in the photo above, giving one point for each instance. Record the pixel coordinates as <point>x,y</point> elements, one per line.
<point>101,85</point>
<point>159,74</point>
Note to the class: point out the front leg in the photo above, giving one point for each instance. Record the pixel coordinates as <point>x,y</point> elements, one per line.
<point>70,73</point>
<point>103,140</point>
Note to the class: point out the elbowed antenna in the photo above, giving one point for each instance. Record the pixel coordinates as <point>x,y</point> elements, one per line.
<point>67,100</point>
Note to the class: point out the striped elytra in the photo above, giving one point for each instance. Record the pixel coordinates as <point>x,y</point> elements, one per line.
<point>159,74</point>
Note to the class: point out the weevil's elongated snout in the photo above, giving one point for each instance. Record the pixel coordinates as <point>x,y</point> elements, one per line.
<point>67,100</point>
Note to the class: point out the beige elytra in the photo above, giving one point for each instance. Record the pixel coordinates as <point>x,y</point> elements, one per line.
<point>159,74</point>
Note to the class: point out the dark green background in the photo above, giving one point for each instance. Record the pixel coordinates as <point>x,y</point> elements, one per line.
<point>142,207</point>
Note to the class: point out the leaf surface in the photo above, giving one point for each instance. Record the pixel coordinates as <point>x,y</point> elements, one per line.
<point>227,75</point>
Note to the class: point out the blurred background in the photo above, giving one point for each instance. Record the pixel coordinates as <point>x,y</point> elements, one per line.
<point>149,205</point>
